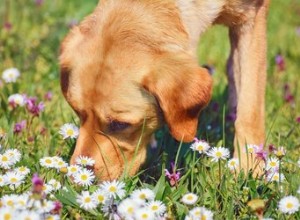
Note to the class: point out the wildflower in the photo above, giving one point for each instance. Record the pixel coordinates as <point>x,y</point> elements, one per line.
<point>73,169</point>
<point>157,207</point>
<point>86,201</point>
<point>260,153</point>
<point>144,214</point>
<point>59,163</point>
<point>218,153</point>
<point>298,119</point>
<point>44,206</point>
<point>100,196</point>
<point>274,176</point>
<point>142,195</point>
<point>69,131</point>
<point>288,96</point>
<point>200,146</point>
<point>16,100</point>
<point>84,177</point>
<point>272,163</point>
<point>280,62</point>
<point>189,199</point>
<point>289,205</point>
<point>39,2</point>
<point>7,213</point>
<point>14,155</point>
<point>57,208</point>
<point>28,215</point>
<point>233,164</point>
<point>280,152</point>
<point>19,127</point>
<point>2,180</point>
<point>55,184</point>
<point>48,96</point>
<point>113,189</point>
<point>52,217</point>
<point>127,208</point>
<point>10,75</point>
<point>22,170</point>
<point>174,176</point>
<point>5,161</point>
<point>251,148</point>
<point>201,213</point>
<point>33,107</point>
<point>110,209</point>
<point>47,162</point>
<point>21,201</point>
<point>9,200</point>
<point>84,161</point>
<point>13,179</point>
<point>37,184</point>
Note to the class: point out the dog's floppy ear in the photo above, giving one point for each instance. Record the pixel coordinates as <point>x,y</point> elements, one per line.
<point>182,89</point>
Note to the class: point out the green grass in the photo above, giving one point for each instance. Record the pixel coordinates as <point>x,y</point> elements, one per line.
<point>32,46</point>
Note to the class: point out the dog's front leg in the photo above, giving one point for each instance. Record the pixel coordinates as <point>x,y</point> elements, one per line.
<point>247,80</point>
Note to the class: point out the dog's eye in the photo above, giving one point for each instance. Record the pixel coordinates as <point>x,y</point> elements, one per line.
<point>115,126</point>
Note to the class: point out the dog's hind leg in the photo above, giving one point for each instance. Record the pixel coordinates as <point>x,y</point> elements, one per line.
<point>248,57</point>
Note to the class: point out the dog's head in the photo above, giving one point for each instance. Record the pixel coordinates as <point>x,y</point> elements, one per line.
<point>125,74</point>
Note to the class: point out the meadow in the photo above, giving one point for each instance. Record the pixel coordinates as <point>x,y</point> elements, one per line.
<point>38,132</point>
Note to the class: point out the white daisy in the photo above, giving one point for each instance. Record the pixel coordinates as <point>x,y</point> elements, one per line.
<point>47,162</point>
<point>157,207</point>
<point>9,200</point>
<point>10,75</point>
<point>280,152</point>
<point>218,153</point>
<point>73,169</point>
<point>127,208</point>
<point>2,180</point>
<point>17,100</point>
<point>13,179</point>
<point>52,217</point>
<point>143,195</point>
<point>21,201</point>
<point>86,201</point>
<point>56,184</point>
<point>5,161</point>
<point>28,215</point>
<point>272,164</point>
<point>47,188</point>
<point>274,176</point>
<point>113,189</point>
<point>188,217</point>
<point>69,131</point>
<point>100,196</point>
<point>144,214</point>
<point>22,170</point>
<point>7,213</point>
<point>201,213</point>
<point>84,177</point>
<point>289,205</point>
<point>189,198</point>
<point>45,206</point>
<point>84,161</point>
<point>233,164</point>
<point>251,148</point>
<point>200,146</point>
<point>59,164</point>
<point>14,155</point>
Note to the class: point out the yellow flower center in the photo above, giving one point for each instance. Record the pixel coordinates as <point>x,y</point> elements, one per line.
<point>13,180</point>
<point>4,158</point>
<point>100,198</point>
<point>219,154</point>
<point>83,161</point>
<point>203,217</point>
<point>10,203</point>
<point>250,150</point>
<point>289,205</point>
<point>27,218</point>
<point>48,161</point>
<point>73,169</point>
<point>87,200</point>
<point>70,132</point>
<point>112,189</point>
<point>200,148</point>
<point>7,216</point>
<point>276,177</point>
<point>84,177</point>
<point>154,208</point>
<point>190,197</point>
<point>130,210</point>
<point>143,196</point>
<point>273,164</point>
<point>232,163</point>
<point>22,169</point>
<point>145,215</point>
<point>50,218</point>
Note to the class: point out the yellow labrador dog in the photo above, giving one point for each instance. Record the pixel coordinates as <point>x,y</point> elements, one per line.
<point>131,66</point>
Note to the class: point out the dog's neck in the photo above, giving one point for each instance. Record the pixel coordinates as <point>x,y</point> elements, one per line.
<point>197,16</point>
